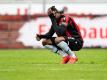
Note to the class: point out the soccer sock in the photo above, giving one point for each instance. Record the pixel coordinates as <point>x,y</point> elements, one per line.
<point>62,53</point>
<point>63,45</point>
<point>55,50</point>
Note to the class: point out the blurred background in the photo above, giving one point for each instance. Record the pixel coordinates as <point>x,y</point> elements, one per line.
<point>21,20</point>
<point>20,56</point>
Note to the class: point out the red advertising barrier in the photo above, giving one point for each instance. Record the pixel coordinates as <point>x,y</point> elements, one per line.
<point>19,31</point>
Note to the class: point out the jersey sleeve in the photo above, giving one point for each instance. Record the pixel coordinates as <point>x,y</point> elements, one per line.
<point>49,34</point>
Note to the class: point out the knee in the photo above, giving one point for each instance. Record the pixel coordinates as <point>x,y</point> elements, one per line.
<point>59,39</point>
<point>46,42</point>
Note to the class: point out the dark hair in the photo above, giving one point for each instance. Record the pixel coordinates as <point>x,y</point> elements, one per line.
<point>54,9</point>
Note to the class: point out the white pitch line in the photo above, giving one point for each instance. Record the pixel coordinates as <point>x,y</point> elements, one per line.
<point>7,70</point>
<point>54,69</point>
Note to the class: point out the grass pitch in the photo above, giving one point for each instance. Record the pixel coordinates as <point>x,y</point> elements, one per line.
<point>41,64</point>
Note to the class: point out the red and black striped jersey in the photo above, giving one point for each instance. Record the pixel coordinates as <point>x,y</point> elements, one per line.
<point>72,29</point>
<point>64,26</point>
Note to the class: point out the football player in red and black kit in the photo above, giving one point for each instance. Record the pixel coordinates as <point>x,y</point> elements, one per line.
<point>68,38</point>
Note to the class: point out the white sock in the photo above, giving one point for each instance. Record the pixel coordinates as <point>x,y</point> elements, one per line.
<point>64,46</point>
<point>62,53</point>
<point>55,50</point>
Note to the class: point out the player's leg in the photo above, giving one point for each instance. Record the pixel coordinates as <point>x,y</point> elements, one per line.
<point>75,45</point>
<point>55,50</point>
<point>60,41</point>
<point>64,46</point>
<point>48,44</point>
<point>65,56</point>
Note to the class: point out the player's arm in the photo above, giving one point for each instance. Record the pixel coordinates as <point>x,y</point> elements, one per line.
<point>48,35</point>
<point>51,12</point>
<point>51,31</point>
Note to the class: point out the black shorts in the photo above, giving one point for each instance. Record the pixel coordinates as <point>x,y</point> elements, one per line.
<point>74,44</point>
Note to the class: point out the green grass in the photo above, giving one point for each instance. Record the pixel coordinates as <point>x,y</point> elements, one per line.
<point>41,64</point>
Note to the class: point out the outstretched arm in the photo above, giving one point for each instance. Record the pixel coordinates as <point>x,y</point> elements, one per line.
<point>51,31</point>
<point>47,35</point>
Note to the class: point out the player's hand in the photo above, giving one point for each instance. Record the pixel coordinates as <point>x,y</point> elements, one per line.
<point>49,11</point>
<point>38,37</point>
<point>52,10</point>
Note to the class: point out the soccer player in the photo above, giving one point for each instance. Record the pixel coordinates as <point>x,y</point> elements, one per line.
<point>68,38</point>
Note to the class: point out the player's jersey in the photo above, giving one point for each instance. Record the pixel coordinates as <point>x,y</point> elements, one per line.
<point>72,30</point>
<point>66,26</point>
